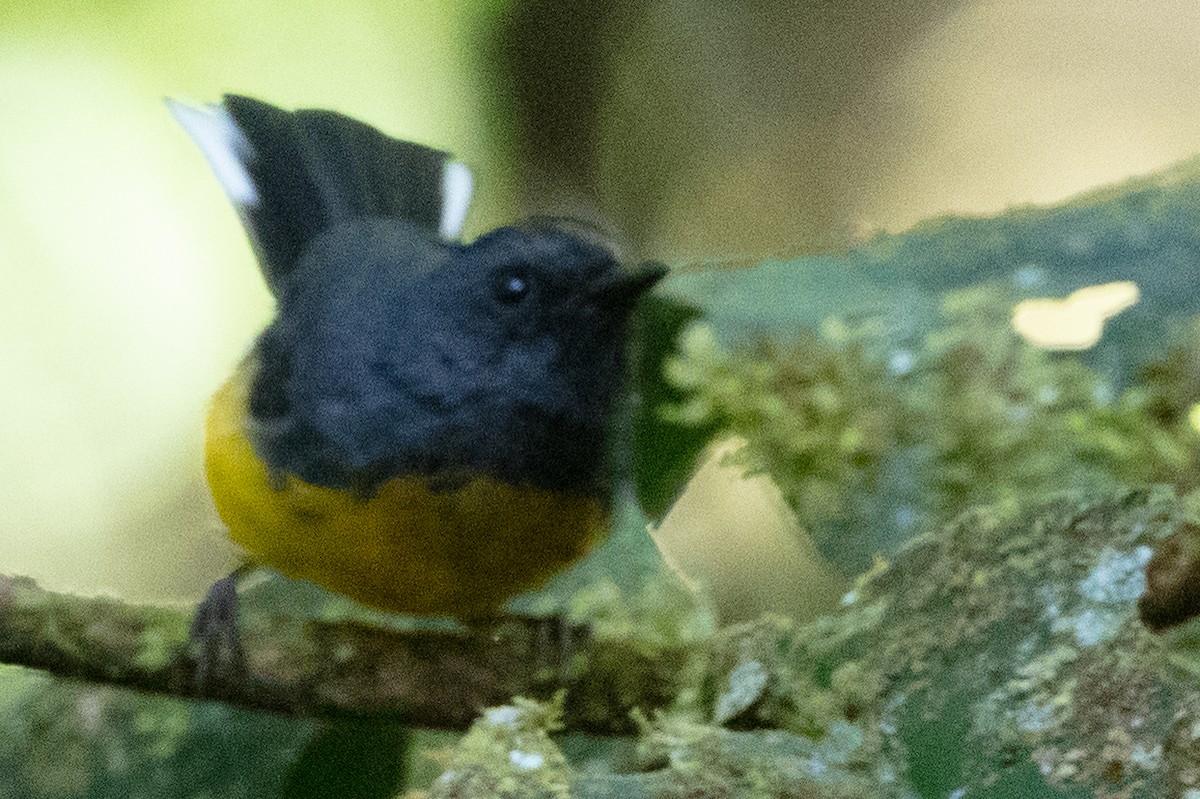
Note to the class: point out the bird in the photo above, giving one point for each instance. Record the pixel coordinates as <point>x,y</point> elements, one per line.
<point>426,425</point>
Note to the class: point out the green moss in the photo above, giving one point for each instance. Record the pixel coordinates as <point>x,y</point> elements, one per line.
<point>817,414</point>
<point>1005,648</point>
<point>158,642</point>
<point>700,761</point>
<point>752,675</point>
<point>871,437</point>
<point>508,753</point>
<point>652,645</point>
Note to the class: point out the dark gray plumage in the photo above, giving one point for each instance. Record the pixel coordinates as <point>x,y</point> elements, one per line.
<point>396,351</point>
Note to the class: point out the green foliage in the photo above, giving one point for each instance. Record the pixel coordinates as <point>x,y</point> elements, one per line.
<point>661,457</point>
<point>1146,230</point>
<point>971,415</point>
<point>817,415</point>
<point>1001,419</point>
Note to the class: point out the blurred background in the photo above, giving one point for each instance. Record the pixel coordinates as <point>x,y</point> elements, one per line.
<point>703,131</point>
<point>711,134</point>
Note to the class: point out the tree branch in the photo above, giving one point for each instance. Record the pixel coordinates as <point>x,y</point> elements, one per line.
<point>310,667</point>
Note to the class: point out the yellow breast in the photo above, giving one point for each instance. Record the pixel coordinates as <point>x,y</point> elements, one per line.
<point>410,548</point>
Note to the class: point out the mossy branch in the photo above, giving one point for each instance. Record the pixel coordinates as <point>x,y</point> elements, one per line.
<point>438,679</point>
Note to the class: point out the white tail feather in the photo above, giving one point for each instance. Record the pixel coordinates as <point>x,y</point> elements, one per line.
<point>456,198</point>
<point>223,144</point>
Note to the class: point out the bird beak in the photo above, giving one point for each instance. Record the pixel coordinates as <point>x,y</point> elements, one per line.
<point>623,289</point>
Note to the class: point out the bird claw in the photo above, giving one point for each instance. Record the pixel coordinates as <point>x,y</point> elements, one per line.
<point>214,643</point>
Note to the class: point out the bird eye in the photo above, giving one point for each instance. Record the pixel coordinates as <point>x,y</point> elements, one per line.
<point>512,286</point>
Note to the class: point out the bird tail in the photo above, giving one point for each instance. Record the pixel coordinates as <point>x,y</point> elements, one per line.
<point>292,174</point>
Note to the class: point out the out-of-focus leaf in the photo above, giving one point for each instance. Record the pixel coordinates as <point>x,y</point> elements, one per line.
<point>1146,230</point>
<point>350,759</point>
<point>661,455</point>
